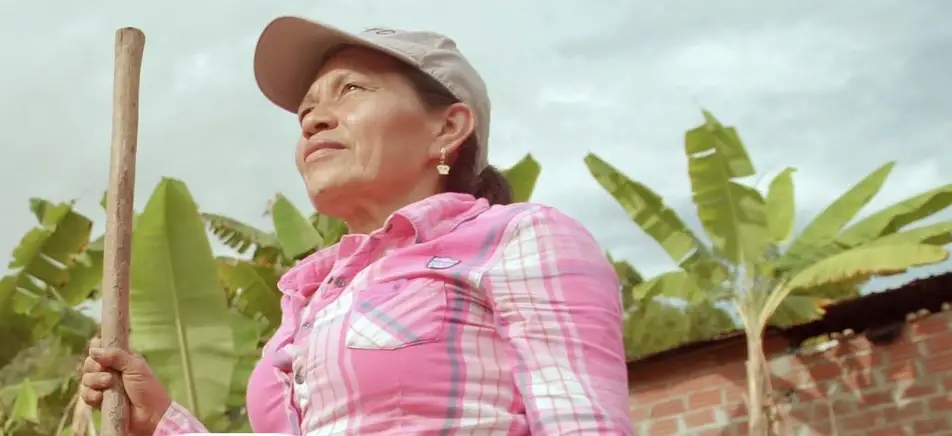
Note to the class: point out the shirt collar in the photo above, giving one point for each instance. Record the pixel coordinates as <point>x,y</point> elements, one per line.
<point>426,220</point>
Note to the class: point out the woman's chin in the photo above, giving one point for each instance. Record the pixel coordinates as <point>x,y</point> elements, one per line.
<point>330,199</point>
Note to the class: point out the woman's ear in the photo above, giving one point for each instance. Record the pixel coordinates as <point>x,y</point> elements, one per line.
<point>458,124</point>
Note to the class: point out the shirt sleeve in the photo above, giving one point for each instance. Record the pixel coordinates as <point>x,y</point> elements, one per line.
<point>556,302</point>
<point>178,420</point>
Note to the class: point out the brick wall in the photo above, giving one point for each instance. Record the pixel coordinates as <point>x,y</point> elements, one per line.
<point>852,387</point>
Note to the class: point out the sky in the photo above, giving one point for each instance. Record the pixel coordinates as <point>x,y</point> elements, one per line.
<point>834,89</point>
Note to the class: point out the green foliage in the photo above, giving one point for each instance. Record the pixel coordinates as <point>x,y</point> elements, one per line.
<point>178,311</point>
<point>51,273</point>
<point>522,178</point>
<point>748,257</point>
<point>747,266</point>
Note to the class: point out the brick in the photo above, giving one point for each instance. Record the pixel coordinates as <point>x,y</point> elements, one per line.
<point>699,418</point>
<point>932,426</point>
<point>825,371</point>
<point>862,421</point>
<point>940,403</point>
<point>874,399</point>
<point>911,410</point>
<point>841,407</point>
<point>698,382</point>
<point>640,414</point>
<point>892,430</point>
<point>902,351</point>
<point>947,382</point>
<point>920,390</point>
<point>938,363</point>
<point>929,326</point>
<point>664,427</point>
<point>736,411</point>
<point>708,398</point>
<point>653,396</point>
<point>939,344</point>
<point>735,393</point>
<point>733,373</point>
<point>668,408</point>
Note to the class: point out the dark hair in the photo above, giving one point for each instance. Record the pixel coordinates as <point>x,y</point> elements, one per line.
<point>489,183</point>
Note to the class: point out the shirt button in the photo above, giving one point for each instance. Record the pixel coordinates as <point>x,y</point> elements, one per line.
<point>299,378</point>
<point>339,282</point>
<point>306,325</point>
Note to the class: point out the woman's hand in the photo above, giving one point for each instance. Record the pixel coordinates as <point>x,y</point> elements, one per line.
<point>147,397</point>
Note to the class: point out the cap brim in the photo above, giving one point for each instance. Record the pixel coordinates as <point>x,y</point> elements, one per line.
<point>290,52</point>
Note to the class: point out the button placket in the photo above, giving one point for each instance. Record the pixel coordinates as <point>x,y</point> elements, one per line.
<point>299,364</point>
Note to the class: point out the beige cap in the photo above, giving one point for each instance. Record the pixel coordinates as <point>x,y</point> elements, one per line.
<point>291,50</point>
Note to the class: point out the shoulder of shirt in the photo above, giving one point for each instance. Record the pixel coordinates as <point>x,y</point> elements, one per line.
<point>517,211</point>
<point>519,216</point>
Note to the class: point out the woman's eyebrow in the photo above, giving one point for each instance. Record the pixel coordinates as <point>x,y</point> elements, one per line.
<point>336,78</point>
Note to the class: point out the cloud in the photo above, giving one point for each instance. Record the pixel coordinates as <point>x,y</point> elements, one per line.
<point>832,89</point>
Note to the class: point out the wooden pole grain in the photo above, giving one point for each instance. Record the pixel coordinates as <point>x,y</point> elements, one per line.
<point>130,44</point>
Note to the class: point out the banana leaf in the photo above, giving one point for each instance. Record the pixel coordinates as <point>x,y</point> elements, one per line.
<point>522,178</point>
<point>179,315</point>
<point>780,206</point>
<point>296,235</point>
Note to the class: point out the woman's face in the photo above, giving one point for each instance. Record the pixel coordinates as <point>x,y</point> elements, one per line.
<point>366,134</point>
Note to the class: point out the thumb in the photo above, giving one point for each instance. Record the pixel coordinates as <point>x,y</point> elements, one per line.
<point>114,358</point>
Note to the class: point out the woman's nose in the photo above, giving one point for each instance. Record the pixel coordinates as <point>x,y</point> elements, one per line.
<point>317,121</point>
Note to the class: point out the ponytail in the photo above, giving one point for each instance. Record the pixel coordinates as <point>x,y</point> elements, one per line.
<point>490,183</point>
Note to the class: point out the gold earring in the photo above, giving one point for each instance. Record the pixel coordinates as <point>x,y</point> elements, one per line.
<point>443,168</point>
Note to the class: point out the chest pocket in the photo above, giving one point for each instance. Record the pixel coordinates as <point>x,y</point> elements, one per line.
<point>397,314</point>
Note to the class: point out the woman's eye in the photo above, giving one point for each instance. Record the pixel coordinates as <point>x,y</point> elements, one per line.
<point>352,87</point>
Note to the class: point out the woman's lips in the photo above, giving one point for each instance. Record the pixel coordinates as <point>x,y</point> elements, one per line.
<point>319,149</point>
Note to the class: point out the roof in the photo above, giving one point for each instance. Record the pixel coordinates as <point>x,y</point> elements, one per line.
<point>858,314</point>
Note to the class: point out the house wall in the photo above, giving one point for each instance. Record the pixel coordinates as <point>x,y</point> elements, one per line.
<point>854,387</point>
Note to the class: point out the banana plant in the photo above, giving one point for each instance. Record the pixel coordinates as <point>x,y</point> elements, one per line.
<point>179,316</point>
<point>750,263</point>
<point>52,273</point>
<point>522,178</point>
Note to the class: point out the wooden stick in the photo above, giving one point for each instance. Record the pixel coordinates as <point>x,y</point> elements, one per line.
<point>130,43</point>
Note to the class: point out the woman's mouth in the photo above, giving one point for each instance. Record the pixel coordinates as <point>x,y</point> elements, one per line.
<point>322,148</point>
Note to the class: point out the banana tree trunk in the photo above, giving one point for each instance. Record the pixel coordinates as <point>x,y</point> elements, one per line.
<point>756,383</point>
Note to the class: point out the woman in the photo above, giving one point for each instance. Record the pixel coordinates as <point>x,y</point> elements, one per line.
<point>446,309</point>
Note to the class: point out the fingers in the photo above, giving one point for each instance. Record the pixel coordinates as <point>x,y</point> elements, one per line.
<point>91,386</point>
<point>97,380</point>
<point>114,358</point>
<point>90,365</point>
<point>91,397</point>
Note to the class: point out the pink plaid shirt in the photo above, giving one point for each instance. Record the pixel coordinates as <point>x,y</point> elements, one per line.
<point>455,318</point>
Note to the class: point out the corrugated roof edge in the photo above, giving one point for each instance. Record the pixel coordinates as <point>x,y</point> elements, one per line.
<point>857,314</point>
